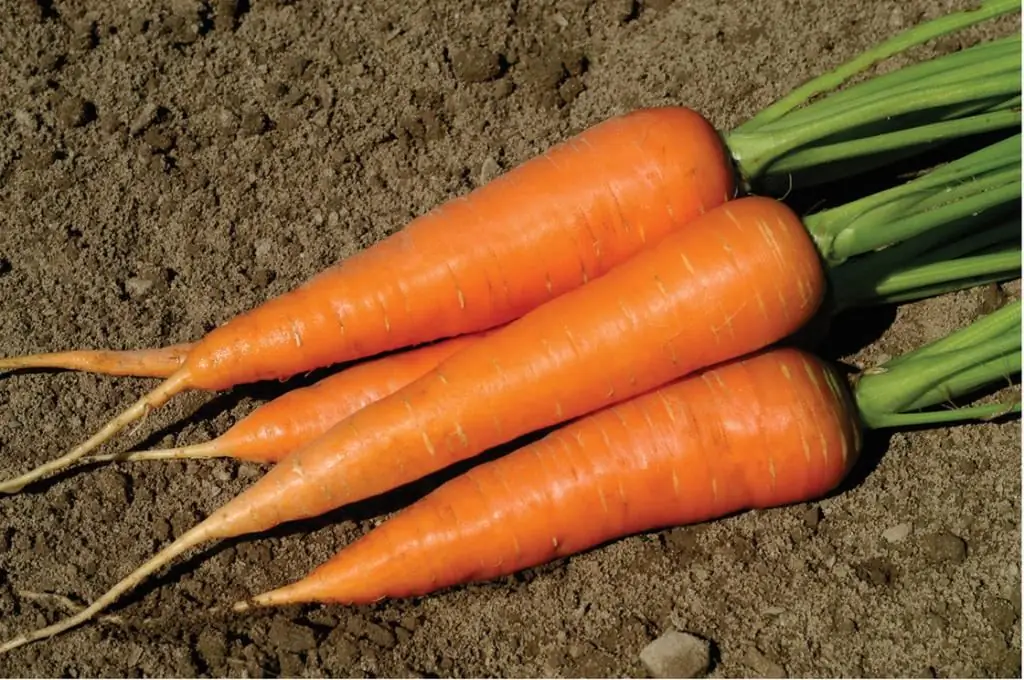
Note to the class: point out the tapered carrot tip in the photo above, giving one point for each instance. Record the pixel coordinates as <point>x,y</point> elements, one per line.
<point>300,592</point>
<point>137,411</point>
<point>242,606</point>
<point>210,449</point>
<point>271,598</point>
<point>161,362</point>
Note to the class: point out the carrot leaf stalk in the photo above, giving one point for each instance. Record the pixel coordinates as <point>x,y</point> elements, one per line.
<point>918,35</point>
<point>897,393</point>
<point>868,124</point>
<point>945,230</point>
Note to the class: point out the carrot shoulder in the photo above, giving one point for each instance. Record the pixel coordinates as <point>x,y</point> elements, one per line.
<point>776,428</point>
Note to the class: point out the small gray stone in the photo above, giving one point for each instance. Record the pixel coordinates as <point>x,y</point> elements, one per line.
<point>138,286</point>
<point>489,169</point>
<point>898,533</point>
<point>945,547</point>
<point>677,655</point>
<point>147,116</point>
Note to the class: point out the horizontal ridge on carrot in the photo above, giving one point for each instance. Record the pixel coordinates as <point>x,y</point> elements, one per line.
<point>773,429</point>
<point>568,216</point>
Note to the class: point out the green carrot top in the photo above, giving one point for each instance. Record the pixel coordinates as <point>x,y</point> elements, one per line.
<point>796,143</point>
<point>905,391</point>
<point>953,227</point>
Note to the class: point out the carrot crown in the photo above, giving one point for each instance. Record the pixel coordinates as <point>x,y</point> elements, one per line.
<point>887,117</point>
<point>902,392</point>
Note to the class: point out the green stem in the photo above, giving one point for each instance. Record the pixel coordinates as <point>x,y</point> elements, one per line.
<point>855,279</point>
<point>821,156</point>
<point>971,358</point>
<point>857,158</point>
<point>917,35</point>
<point>951,249</point>
<point>755,154</point>
<point>938,278</point>
<point>911,295</point>
<point>956,415</point>
<point>985,329</point>
<point>973,183</point>
<point>968,380</point>
<point>994,157</point>
<point>965,200</point>
<point>956,68</point>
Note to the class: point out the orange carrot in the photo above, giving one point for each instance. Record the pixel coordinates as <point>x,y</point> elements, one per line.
<point>543,229</point>
<point>739,278</point>
<point>773,429</point>
<point>299,416</point>
<point>159,362</point>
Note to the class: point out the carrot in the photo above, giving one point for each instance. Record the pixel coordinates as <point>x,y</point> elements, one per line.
<point>770,430</point>
<point>752,432</point>
<point>275,429</point>
<point>773,429</point>
<point>159,362</point>
<point>567,217</point>
<point>674,308</point>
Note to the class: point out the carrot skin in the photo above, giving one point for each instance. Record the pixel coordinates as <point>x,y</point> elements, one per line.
<point>776,428</point>
<point>740,278</point>
<point>298,417</point>
<point>481,260</point>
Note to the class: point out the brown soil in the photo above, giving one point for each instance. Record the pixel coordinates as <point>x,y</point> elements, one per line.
<point>165,165</point>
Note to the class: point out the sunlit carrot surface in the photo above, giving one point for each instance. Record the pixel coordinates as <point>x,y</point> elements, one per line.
<point>674,308</point>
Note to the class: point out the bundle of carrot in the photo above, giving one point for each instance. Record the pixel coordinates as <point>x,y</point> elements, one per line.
<point>738,279</point>
<point>778,427</point>
<point>962,235</point>
<point>568,217</point>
